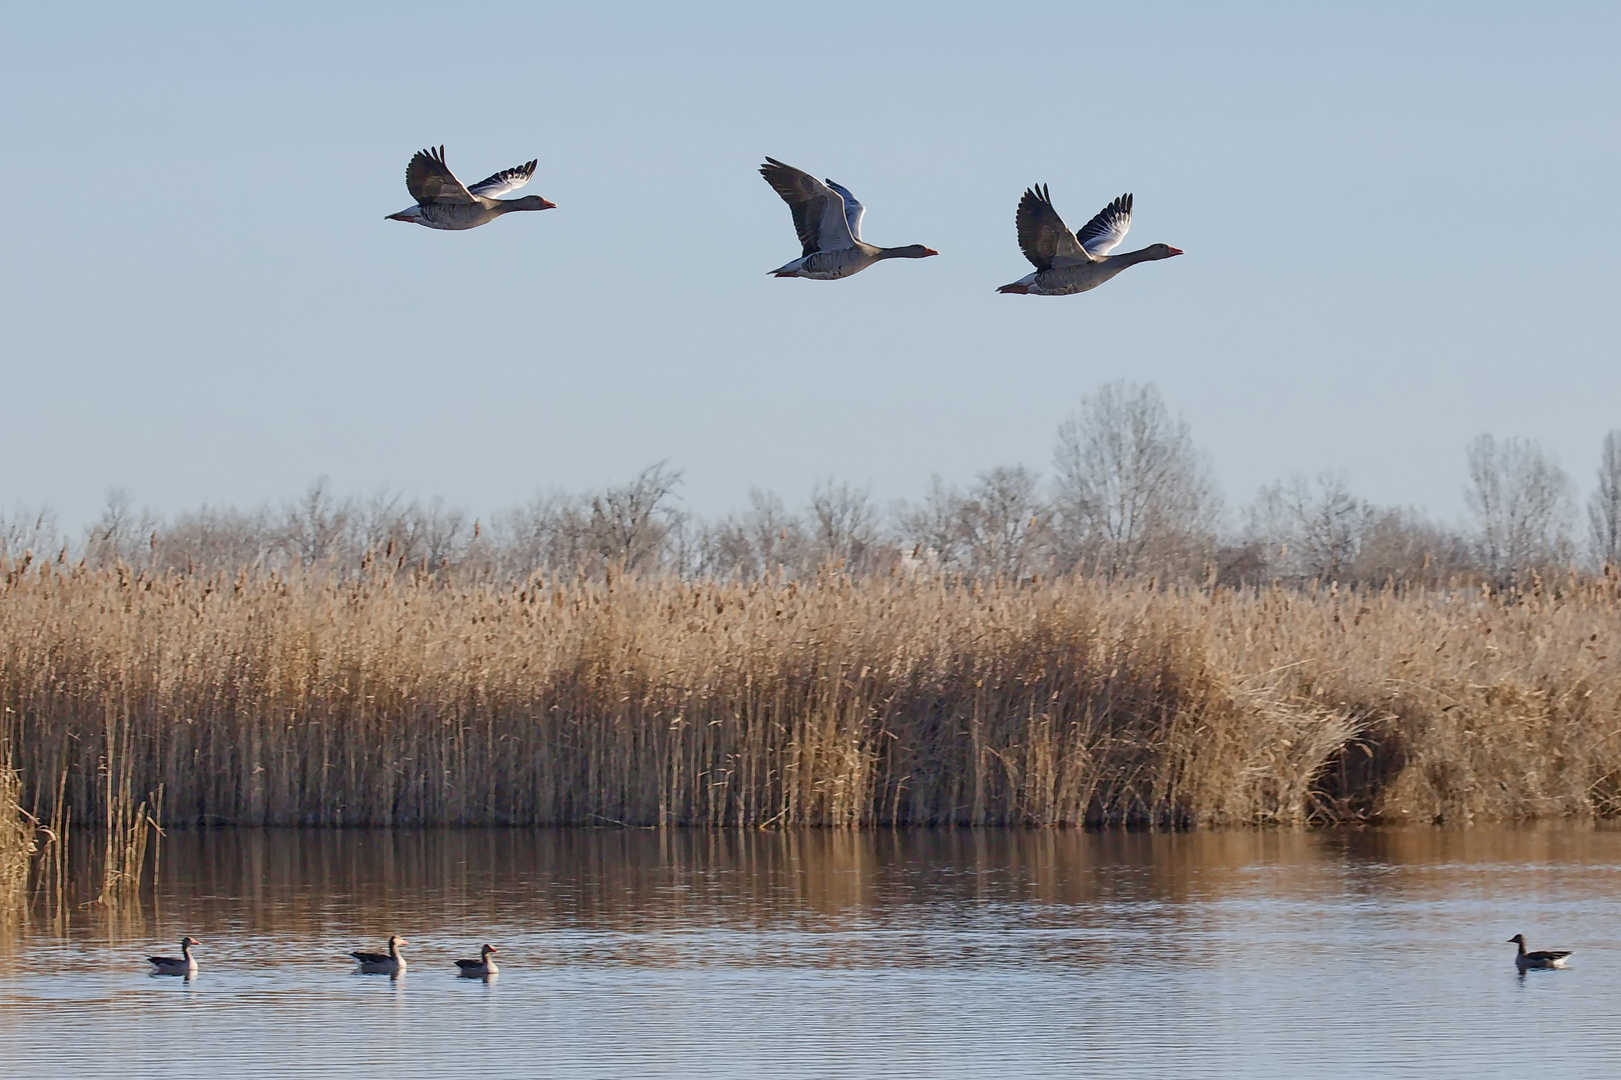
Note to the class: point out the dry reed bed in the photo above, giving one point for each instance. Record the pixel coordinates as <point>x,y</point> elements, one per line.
<point>836,702</point>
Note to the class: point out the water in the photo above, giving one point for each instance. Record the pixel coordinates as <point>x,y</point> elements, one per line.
<point>893,955</point>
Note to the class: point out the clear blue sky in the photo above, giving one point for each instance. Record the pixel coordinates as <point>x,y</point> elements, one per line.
<point>1401,224</point>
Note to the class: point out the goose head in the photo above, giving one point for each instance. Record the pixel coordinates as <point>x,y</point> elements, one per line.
<point>528,202</point>
<point>910,251</point>
<point>188,941</point>
<point>1160,251</point>
<point>1517,939</point>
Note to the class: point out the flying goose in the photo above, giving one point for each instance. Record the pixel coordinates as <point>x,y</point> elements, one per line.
<point>475,969</point>
<point>184,964</point>
<point>443,203</point>
<point>828,220</point>
<point>389,963</point>
<point>1553,958</point>
<point>1069,262</point>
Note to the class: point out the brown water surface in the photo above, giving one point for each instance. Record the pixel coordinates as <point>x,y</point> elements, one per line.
<point>820,954</point>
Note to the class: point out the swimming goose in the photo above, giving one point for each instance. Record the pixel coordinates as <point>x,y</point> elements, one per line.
<point>389,963</point>
<point>828,220</point>
<point>473,969</point>
<point>443,203</point>
<point>1069,262</point>
<point>1554,958</point>
<point>184,964</point>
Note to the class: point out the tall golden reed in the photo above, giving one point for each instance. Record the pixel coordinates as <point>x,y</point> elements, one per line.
<point>838,702</point>
<point>17,831</point>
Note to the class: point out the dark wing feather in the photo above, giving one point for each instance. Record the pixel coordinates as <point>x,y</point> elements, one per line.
<point>464,964</point>
<point>809,200</point>
<point>498,184</point>
<point>1043,236</point>
<point>162,960</point>
<point>371,957</point>
<point>1550,954</point>
<point>1103,233</point>
<point>429,179</point>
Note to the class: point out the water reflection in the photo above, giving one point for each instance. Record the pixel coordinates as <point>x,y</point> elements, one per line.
<point>919,953</point>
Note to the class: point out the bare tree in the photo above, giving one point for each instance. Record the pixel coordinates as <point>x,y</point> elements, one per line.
<point>1604,507</point>
<point>844,525</point>
<point>629,524</point>
<point>212,538</point>
<point>1403,547</point>
<point>999,528</point>
<point>1521,502</point>
<point>313,527</point>
<point>1311,530</point>
<point>118,533</point>
<point>1133,494</point>
<point>767,540</point>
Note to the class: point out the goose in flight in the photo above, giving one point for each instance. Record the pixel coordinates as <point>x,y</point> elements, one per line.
<point>828,220</point>
<point>443,203</point>
<point>1069,262</point>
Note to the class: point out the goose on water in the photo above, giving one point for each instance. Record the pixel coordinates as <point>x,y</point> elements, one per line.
<point>184,964</point>
<point>389,963</point>
<point>828,220</point>
<point>484,965</point>
<point>1069,262</point>
<point>1552,958</point>
<point>443,203</point>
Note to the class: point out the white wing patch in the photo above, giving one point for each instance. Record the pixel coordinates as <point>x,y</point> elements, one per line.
<point>507,180</point>
<point>1103,233</point>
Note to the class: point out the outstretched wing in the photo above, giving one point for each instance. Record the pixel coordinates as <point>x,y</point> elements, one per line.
<point>429,179</point>
<point>493,187</point>
<point>1103,233</point>
<point>818,210</point>
<point>853,210</point>
<point>1045,239</point>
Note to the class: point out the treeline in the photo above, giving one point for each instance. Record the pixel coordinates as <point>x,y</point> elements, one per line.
<point>1130,495</point>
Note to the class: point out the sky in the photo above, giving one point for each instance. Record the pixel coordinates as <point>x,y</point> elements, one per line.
<point>1400,223</point>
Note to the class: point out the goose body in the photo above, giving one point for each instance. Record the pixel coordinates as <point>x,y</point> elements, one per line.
<point>1552,958</point>
<point>484,965</point>
<point>827,218</point>
<point>389,963</point>
<point>1069,262</point>
<point>185,964</point>
<point>443,202</point>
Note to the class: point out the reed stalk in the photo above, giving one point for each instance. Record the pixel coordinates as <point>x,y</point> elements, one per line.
<point>17,847</point>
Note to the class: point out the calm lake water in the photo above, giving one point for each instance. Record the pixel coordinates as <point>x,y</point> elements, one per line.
<point>894,955</point>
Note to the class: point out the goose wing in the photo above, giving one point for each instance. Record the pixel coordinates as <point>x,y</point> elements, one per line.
<point>1045,239</point>
<point>1103,233</point>
<point>1549,955</point>
<point>818,210</point>
<point>429,179</point>
<point>465,964</point>
<point>493,187</point>
<point>371,957</point>
<point>853,210</point>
